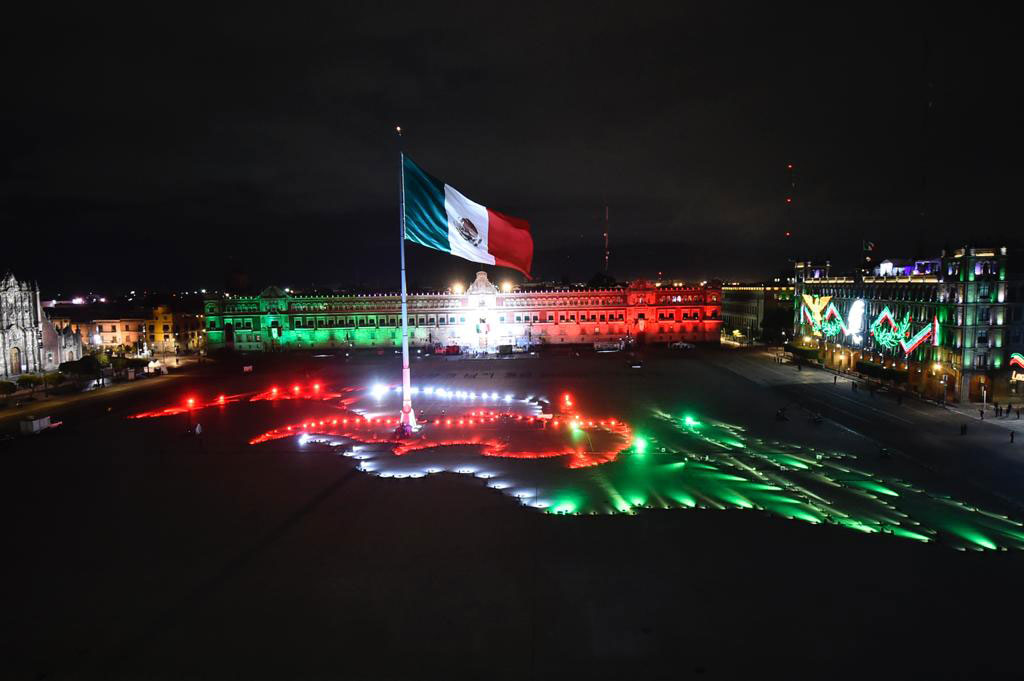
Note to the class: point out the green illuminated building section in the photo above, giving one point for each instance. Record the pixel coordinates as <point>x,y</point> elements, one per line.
<point>276,321</point>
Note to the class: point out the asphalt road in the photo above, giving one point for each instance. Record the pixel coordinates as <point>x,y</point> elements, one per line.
<point>133,551</point>
<point>924,432</point>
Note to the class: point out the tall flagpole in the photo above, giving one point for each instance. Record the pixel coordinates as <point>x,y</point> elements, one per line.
<point>408,415</point>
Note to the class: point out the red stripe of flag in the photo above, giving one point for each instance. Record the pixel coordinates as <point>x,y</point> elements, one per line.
<point>509,241</point>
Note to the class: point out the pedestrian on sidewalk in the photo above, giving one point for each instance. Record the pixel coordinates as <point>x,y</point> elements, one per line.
<point>835,379</point>
<point>981,413</point>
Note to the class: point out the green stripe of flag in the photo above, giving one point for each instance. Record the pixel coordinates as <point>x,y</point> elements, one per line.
<point>426,222</point>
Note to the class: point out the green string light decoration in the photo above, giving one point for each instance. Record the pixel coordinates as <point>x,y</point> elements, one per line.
<point>887,332</point>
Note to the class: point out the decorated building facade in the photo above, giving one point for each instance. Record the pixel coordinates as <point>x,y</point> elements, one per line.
<point>29,342</point>
<point>949,327</point>
<point>480,318</point>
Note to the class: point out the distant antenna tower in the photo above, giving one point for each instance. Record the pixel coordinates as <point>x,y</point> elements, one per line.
<point>606,251</point>
<point>790,192</point>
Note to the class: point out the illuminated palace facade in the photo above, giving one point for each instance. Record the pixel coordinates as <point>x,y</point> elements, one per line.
<point>481,318</point>
<point>951,327</point>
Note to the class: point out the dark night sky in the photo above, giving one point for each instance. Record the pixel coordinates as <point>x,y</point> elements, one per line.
<point>169,148</point>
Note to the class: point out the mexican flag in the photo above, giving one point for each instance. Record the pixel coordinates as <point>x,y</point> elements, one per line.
<point>438,216</point>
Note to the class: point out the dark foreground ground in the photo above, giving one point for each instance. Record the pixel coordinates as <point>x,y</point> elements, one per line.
<point>132,551</point>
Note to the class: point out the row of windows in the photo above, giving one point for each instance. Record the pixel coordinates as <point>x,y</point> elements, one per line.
<point>663,316</point>
<point>442,303</point>
<point>113,328</point>
<point>431,320</point>
<point>978,292</point>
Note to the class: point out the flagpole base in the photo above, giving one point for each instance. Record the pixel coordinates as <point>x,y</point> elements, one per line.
<point>408,419</point>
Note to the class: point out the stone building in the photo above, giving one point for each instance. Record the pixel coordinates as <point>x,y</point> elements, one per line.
<point>758,313</point>
<point>174,331</point>
<point>29,342</point>
<point>950,327</point>
<point>480,318</point>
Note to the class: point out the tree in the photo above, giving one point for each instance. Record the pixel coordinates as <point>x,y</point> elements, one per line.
<point>28,382</point>
<point>85,368</point>
<point>50,380</point>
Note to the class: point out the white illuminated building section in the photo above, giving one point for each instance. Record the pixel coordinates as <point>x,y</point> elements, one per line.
<point>855,322</point>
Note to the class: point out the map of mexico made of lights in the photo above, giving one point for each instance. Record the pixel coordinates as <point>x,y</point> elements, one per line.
<point>550,455</point>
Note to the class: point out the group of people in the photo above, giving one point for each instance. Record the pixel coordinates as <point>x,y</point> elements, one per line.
<point>1001,410</point>
<point>1005,410</point>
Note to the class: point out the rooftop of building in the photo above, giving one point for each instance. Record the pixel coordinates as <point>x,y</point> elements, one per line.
<point>84,314</point>
<point>901,270</point>
<point>483,285</point>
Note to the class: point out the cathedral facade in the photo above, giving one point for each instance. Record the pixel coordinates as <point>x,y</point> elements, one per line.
<point>29,343</point>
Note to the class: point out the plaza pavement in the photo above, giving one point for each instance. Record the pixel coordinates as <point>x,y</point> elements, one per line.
<point>134,551</point>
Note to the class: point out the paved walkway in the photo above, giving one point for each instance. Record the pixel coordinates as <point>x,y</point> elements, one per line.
<point>970,410</point>
<point>46,406</point>
<point>1010,421</point>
